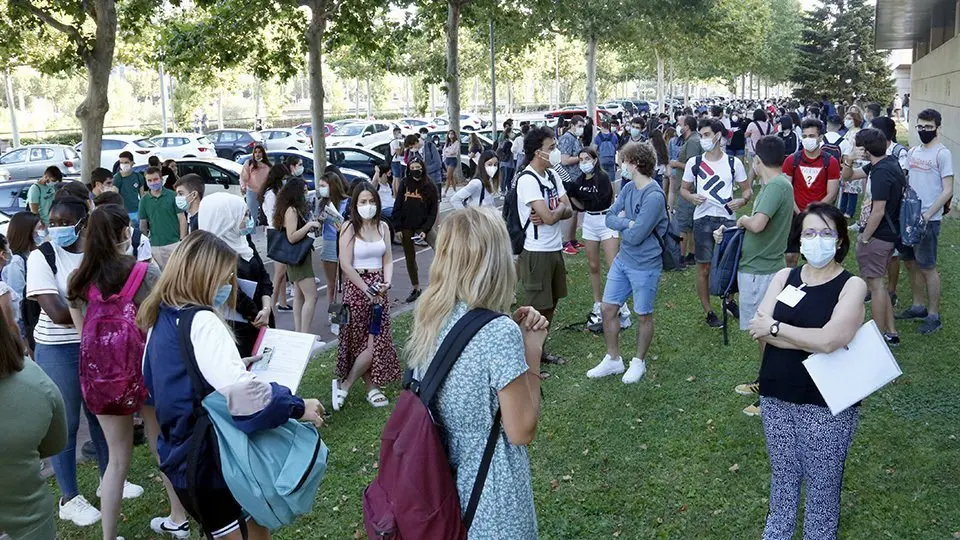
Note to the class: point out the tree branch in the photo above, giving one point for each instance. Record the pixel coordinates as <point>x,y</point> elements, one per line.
<point>51,21</point>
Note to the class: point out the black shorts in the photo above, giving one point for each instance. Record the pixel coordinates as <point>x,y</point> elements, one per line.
<point>215,510</point>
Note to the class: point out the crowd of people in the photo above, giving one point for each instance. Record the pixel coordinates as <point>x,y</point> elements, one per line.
<point>96,279</point>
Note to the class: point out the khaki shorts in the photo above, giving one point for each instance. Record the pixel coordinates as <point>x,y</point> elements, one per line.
<point>543,277</point>
<point>874,257</point>
<point>161,254</point>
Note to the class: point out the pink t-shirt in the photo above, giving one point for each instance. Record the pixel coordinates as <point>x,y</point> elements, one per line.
<point>754,133</point>
<point>254,178</point>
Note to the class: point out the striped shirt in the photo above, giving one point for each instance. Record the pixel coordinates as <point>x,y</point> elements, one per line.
<point>41,280</point>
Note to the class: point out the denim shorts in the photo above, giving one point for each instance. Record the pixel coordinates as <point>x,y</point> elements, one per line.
<point>450,162</point>
<point>623,280</point>
<point>924,253</point>
<point>753,287</point>
<point>703,236</point>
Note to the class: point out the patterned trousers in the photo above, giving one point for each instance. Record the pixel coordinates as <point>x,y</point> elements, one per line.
<point>806,444</point>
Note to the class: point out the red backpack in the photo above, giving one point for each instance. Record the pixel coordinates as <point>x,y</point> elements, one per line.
<point>111,350</point>
<point>414,496</point>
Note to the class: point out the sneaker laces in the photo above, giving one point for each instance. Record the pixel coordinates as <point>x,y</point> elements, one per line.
<point>81,503</point>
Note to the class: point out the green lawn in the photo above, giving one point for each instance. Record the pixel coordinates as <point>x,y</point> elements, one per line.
<point>671,457</point>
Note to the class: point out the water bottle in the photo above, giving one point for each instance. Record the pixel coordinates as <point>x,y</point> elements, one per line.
<point>375,319</point>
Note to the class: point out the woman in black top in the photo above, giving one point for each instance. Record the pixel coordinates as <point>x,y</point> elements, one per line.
<point>415,210</point>
<point>228,217</point>
<point>816,308</point>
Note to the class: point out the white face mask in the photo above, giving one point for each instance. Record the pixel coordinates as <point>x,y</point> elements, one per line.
<point>586,167</point>
<point>298,170</point>
<point>491,170</point>
<point>848,123</point>
<point>810,144</point>
<point>578,131</point>
<point>818,251</point>
<point>367,211</point>
<point>707,144</point>
<point>554,157</point>
<point>126,167</point>
<point>323,191</point>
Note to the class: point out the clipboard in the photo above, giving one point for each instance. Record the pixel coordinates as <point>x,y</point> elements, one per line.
<point>247,287</point>
<point>285,356</point>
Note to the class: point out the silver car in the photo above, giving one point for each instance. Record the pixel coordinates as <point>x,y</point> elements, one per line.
<point>29,162</point>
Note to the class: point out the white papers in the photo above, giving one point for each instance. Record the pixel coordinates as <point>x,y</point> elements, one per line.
<point>249,288</point>
<point>286,355</point>
<point>850,374</point>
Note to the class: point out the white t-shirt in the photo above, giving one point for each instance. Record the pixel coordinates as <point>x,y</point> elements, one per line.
<point>41,280</point>
<point>269,205</point>
<point>543,238</point>
<point>394,146</point>
<point>715,184</point>
<point>469,195</point>
<point>517,147</point>
<point>928,167</point>
<point>144,252</point>
<point>387,200</point>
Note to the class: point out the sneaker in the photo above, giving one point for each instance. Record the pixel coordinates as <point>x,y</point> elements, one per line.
<point>284,308</point>
<point>625,321</point>
<point>912,313</point>
<point>79,511</point>
<point>893,298</point>
<point>690,259</point>
<point>748,389</point>
<point>414,294</point>
<point>732,308</point>
<point>893,340</point>
<point>595,319</point>
<point>752,410</point>
<point>607,366</point>
<point>130,491</point>
<point>165,525</point>
<point>713,321</point>
<point>420,240</point>
<point>930,325</point>
<point>578,244</point>
<point>867,298</point>
<point>568,249</point>
<point>637,368</point>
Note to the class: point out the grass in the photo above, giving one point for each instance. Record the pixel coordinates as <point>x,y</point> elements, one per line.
<point>671,457</point>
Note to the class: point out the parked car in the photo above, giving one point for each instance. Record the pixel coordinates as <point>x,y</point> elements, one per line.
<point>13,196</point>
<point>643,107</point>
<point>356,158</point>
<point>466,166</point>
<point>366,134</point>
<point>602,115</point>
<point>218,174</point>
<point>29,162</point>
<point>4,222</point>
<point>184,145</point>
<point>233,143</point>
<point>470,122</point>
<point>613,108</point>
<point>112,145</point>
<point>286,139</point>
<point>307,129</point>
<point>441,122</point>
<point>340,123</point>
<point>417,123</point>
<point>349,174</point>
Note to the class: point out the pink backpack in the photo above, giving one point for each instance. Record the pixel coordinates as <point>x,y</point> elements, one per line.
<point>111,350</point>
<point>414,496</point>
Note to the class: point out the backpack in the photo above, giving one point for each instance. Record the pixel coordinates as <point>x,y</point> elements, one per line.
<point>135,240</point>
<point>414,496</point>
<point>111,350</point>
<point>511,214</point>
<point>832,147</point>
<point>606,148</point>
<point>769,128</point>
<point>723,269</point>
<point>30,308</point>
<point>789,142</point>
<point>912,226</point>
<point>273,474</point>
<point>670,243</point>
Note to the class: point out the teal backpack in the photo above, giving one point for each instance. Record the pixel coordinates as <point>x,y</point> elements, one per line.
<point>274,474</point>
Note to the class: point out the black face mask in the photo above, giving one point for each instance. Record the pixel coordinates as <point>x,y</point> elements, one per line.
<point>418,174</point>
<point>927,136</point>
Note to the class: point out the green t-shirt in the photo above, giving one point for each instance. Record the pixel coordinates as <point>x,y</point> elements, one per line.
<point>162,217</point>
<point>42,195</point>
<point>129,188</point>
<point>763,253</point>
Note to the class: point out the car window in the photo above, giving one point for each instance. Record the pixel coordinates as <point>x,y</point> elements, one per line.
<point>215,137</point>
<point>112,144</point>
<point>203,140</point>
<point>350,130</point>
<point>17,156</point>
<point>368,130</point>
<point>464,116</point>
<point>144,143</point>
<point>228,136</point>
<point>353,158</point>
<point>255,135</point>
<point>41,154</point>
<point>70,154</point>
<point>180,141</point>
<point>209,173</point>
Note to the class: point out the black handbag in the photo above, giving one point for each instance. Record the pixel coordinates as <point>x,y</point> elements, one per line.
<point>280,249</point>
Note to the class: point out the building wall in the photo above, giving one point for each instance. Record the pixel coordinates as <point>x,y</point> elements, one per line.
<point>935,84</point>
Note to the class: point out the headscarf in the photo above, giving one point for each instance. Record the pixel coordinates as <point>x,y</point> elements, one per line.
<point>221,214</point>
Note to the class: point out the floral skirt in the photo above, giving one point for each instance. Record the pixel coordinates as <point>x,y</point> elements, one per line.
<point>385,367</point>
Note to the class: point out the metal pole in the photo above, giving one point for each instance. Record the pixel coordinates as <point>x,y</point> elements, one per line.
<point>8,84</point>
<point>163,100</point>
<point>493,87</point>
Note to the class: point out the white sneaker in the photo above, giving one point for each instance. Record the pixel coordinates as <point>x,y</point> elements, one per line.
<point>165,525</point>
<point>625,321</point>
<point>607,366</point>
<point>635,373</point>
<point>130,491</point>
<point>79,511</point>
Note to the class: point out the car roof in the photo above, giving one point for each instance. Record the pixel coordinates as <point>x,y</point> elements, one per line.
<point>227,130</point>
<point>127,138</point>
<point>232,166</point>
<point>188,135</point>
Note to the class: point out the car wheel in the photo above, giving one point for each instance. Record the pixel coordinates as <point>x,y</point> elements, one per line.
<point>236,155</point>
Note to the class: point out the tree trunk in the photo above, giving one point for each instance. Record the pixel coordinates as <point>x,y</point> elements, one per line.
<point>659,81</point>
<point>751,86</point>
<point>453,64</point>
<point>592,76</point>
<point>93,109</point>
<point>493,86</point>
<point>315,32</point>
<point>356,99</point>
<point>220,109</point>
<point>369,101</point>
<point>8,86</point>
<point>163,99</point>
<point>556,42</point>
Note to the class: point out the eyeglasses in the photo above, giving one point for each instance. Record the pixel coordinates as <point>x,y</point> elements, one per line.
<point>822,233</point>
<point>926,128</point>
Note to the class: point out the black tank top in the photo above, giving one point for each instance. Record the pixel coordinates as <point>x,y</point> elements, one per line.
<point>782,374</point>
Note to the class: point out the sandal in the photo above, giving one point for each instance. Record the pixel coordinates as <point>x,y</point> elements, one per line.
<point>553,359</point>
<point>376,398</point>
<point>339,396</point>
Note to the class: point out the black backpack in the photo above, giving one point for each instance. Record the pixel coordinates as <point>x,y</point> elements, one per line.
<point>832,148</point>
<point>135,240</point>
<point>30,308</point>
<point>511,214</point>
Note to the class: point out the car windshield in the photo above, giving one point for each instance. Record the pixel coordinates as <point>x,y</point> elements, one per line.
<point>203,140</point>
<point>144,143</point>
<point>351,130</point>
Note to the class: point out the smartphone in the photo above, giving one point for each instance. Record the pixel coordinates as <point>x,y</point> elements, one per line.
<point>264,362</point>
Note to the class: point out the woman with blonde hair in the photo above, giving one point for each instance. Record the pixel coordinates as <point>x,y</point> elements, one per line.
<point>499,368</point>
<point>198,282</point>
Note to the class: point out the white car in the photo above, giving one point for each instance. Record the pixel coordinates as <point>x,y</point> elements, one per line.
<point>470,122</point>
<point>367,134</point>
<point>286,139</point>
<point>184,145</point>
<point>612,107</point>
<point>141,148</point>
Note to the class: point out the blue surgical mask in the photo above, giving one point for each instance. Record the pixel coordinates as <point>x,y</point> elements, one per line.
<point>635,132</point>
<point>223,294</point>
<point>39,236</point>
<point>63,236</point>
<point>182,203</point>
<point>249,226</point>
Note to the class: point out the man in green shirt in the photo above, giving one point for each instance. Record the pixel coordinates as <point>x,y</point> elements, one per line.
<point>160,220</point>
<point>130,184</point>
<point>683,209</point>
<point>40,195</point>
<point>766,233</point>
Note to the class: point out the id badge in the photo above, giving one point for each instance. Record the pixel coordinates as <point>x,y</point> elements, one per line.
<point>791,295</point>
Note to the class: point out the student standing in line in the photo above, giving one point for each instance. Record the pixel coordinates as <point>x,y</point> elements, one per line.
<point>366,348</point>
<point>291,216</point>
<point>332,205</point>
<point>23,237</point>
<point>680,206</point>
<point>570,145</point>
<point>139,244</point>
<point>189,190</point>
<point>415,210</point>
<point>101,180</point>
<point>451,160</point>
<point>34,426</point>
<point>276,179</point>
<point>851,188</point>
<point>252,178</point>
<point>499,368</point>
<point>482,189</point>
<point>160,219</point>
<point>131,186</point>
<point>9,298</point>
<point>40,195</point>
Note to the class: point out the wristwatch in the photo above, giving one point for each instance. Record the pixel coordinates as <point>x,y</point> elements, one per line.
<point>775,328</point>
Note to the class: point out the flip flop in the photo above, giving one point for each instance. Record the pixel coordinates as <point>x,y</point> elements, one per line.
<point>553,359</point>
<point>376,398</point>
<point>339,397</point>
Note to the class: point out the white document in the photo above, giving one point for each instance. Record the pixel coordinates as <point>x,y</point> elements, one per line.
<point>249,288</point>
<point>852,373</point>
<point>286,355</point>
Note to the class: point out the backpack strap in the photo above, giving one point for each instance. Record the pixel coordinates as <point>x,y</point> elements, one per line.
<point>135,239</point>
<point>137,273</point>
<point>696,168</point>
<point>47,249</point>
<point>733,170</point>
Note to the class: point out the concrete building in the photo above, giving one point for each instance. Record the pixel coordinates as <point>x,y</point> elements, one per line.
<point>930,29</point>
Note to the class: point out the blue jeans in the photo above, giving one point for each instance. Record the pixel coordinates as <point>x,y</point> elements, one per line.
<point>506,177</point>
<point>848,203</point>
<point>253,204</point>
<point>609,167</point>
<point>62,364</point>
<point>396,168</point>
<point>134,220</point>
